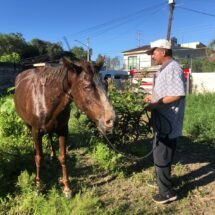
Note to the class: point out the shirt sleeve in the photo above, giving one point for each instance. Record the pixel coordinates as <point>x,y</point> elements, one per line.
<point>175,82</point>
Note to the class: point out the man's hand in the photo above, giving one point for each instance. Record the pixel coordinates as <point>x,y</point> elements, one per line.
<point>147,98</point>
<point>151,106</point>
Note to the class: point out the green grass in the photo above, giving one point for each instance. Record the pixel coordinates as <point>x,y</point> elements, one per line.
<point>200,117</point>
<point>103,182</point>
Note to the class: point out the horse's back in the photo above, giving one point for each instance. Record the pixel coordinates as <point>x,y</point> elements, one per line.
<point>24,78</point>
<point>24,85</point>
<point>39,98</point>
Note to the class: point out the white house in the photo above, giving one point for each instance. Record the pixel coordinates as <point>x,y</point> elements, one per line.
<point>137,58</point>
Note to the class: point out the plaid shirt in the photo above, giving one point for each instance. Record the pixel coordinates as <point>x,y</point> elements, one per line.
<point>170,81</point>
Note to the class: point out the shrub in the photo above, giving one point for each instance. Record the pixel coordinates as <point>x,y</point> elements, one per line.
<point>10,123</point>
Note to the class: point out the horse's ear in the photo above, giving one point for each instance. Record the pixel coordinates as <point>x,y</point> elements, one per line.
<point>71,65</point>
<point>99,64</point>
<point>65,61</point>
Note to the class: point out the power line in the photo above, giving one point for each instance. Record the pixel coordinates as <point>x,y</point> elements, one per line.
<point>108,28</point>
<point>118,20</point>
<point>196,11</point>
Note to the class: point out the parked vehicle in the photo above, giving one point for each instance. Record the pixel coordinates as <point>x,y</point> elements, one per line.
<point>114,74</point>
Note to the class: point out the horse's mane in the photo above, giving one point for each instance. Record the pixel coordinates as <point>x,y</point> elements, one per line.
<point>50,75</point>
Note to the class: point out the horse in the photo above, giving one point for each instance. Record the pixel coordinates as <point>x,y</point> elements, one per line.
<point>43,97</point>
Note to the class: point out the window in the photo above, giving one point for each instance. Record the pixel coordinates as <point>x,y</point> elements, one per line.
<point>132,62</point>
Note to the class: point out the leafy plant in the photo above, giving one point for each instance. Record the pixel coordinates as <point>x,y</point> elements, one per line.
<point>12,58</point>
<point>11,123</point>
<point>132,118</point>
<point>107,158</point>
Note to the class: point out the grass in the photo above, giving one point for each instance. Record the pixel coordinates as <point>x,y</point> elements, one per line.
<point>104,183</point>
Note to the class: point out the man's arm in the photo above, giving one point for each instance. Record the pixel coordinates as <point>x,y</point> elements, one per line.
<point>170,99</point>
<point>163,101</point>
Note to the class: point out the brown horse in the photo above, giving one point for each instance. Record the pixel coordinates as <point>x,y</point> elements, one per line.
<point>42,99</point>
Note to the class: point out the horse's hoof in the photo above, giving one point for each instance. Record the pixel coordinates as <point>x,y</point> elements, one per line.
<point>68,194</point>
<point>38,185</point>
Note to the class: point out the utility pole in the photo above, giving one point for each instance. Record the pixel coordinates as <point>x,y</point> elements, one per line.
<point>88,49</point>
<point>139,38</point>
<point>171,9</point>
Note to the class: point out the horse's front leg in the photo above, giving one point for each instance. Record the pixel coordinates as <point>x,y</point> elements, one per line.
<point>38,151</point>
<point>62,159</point>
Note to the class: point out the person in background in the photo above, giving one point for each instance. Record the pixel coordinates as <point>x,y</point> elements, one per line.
<point>167,104</point>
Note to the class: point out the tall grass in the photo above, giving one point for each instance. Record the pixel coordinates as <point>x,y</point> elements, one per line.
<point>199,120</point>
<point>28,201</point>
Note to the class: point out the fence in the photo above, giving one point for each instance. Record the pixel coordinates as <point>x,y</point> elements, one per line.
<point>8,74</point>
<point>203,82</point>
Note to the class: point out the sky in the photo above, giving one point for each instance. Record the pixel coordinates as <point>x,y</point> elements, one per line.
<point>111,26</point>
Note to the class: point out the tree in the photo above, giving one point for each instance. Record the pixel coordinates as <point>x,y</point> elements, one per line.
<point>115,63</point>
<point>45,47</point>
<point>211,50</point>
<point>11,58</point>
<point>79,53</point>
<point>212,45</point>
<point>13,42</point>
<point>112,63</point>
<point>54,50</point>
<point>40,45</point>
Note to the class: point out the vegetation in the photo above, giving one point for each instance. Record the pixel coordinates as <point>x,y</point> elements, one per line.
<point>103,181</point>
<point>199,65</point>
<point>79,53</point>
<point>15,43</point>
<point>199,118</point>
<point>11,58</point>
<point>14,48</point>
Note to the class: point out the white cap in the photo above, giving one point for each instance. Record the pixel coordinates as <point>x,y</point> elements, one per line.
<point>162,43</point>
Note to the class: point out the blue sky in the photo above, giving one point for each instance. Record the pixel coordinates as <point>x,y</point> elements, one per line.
<point>112,26</point>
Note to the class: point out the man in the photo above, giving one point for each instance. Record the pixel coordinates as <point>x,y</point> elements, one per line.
<point>167,104</point>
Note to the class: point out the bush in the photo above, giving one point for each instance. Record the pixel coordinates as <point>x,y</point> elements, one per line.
<point>11,58</point>
<point>10,123</point>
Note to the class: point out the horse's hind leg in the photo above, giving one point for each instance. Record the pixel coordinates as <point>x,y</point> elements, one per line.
<point>37,138</point>
<point>62,159</point>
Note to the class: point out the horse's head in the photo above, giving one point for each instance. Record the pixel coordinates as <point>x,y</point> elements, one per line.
<point>89,95</point>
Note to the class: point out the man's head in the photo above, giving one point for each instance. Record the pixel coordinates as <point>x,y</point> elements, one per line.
<point>160,50</point>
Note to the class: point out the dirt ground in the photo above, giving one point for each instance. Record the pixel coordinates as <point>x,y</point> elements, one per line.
<point>128,193</point>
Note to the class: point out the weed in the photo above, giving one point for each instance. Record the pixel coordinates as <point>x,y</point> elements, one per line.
<point>108,159</point>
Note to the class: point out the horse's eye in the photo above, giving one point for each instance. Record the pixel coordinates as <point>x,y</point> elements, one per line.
<point>89,87</point>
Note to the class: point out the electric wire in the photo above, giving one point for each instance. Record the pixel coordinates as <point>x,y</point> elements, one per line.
<point>196,11</point>
<point>118,21</point>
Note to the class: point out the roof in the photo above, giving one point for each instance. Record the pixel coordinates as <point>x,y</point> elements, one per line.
<point>191,46</point>
<point>141,48</point>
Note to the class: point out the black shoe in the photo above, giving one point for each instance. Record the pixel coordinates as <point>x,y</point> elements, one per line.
<point>163,199</point>
<point>152,183</point>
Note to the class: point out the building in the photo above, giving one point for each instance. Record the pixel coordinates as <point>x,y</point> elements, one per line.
<point>138,59</point>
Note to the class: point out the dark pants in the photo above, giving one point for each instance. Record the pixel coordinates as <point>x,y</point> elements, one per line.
<point>163,157</point>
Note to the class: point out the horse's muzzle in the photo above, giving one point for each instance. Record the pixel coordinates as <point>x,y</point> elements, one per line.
<point>106,127</point>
